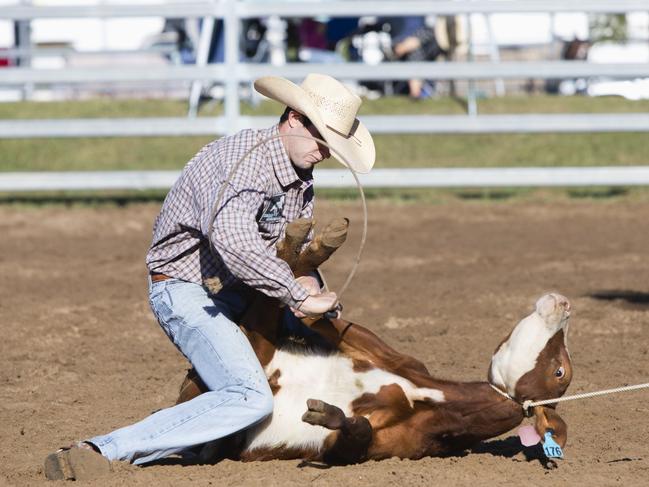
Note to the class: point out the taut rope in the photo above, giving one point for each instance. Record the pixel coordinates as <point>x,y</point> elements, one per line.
<point>531,404</point>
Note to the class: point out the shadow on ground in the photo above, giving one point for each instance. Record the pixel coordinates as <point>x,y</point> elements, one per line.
<point>624,297</point>
<point>510,447</point>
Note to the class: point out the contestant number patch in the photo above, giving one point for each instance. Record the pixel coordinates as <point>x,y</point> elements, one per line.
<point>273,208</point>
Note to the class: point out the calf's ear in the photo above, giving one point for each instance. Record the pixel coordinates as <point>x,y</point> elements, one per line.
<point>547,419</point>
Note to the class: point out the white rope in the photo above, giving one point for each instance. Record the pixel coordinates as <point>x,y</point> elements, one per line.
<point>530,404</point>
<point>502,393</point>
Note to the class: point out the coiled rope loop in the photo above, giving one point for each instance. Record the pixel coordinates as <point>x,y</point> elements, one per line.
<point>217,203</point>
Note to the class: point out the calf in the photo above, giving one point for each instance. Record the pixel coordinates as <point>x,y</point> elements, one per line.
<point>358,399</point>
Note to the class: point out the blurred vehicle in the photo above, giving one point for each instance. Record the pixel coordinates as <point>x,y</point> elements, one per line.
<point>4,61</point>
<point>609,52</point>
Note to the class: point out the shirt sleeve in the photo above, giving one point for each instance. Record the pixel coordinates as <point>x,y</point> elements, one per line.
<point>236,238</point>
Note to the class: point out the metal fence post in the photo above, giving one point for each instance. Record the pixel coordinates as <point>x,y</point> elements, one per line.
<point>494,54</point>
<point>202,54</point>
<point>23,41</point>
<point>472,104</point>
<point>232,23</point>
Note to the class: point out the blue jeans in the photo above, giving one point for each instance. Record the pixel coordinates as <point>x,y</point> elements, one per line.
<point>202,327</point>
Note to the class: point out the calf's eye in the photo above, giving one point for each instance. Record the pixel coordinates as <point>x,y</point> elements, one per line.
<point>560,372</point>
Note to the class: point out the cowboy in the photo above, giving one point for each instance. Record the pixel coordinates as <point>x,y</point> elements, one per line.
<point>235,245</point>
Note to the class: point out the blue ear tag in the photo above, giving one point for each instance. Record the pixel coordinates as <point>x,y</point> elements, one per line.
<point>550,447</point>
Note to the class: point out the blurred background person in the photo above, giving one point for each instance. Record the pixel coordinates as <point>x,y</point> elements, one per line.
<point>413,40</point>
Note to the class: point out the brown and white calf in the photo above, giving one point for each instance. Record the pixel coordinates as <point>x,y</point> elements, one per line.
<point>360,399</point>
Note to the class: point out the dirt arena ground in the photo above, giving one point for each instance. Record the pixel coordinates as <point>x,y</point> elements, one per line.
<point>82,355</point>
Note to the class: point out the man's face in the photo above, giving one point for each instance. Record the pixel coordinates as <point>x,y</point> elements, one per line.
<point>304,152</point>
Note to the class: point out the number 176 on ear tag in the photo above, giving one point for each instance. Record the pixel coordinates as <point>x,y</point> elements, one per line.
<point>550,447</point>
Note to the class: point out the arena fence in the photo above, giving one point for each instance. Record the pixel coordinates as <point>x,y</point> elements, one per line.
<point>341,178</point>
<point>232,73</point>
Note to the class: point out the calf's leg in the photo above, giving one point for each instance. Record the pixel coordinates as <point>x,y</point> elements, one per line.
<point>261,322</point>
<point>321,247</point>
<point>296,233</point>
<point>351,436</point>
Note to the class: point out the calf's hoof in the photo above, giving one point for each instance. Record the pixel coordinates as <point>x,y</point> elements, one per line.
<point>320,413</point>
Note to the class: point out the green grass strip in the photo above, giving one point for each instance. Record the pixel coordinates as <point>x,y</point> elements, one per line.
<point>483,150</point>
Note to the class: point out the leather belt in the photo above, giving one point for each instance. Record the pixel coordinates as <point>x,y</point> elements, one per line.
<point>157,277</point>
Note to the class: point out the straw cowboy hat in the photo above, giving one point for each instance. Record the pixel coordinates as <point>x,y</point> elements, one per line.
<point>332,108</point>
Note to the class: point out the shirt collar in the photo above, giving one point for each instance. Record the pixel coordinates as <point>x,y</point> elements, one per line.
<point>284,169</point>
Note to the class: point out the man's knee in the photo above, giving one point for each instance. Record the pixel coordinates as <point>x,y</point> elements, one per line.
<point>259,400</point>
<point>264,402</point>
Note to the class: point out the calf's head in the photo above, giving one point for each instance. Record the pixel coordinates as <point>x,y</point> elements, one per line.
<point>533,362</point>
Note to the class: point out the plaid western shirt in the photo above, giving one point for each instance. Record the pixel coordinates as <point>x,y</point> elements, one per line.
<point>263,195</point>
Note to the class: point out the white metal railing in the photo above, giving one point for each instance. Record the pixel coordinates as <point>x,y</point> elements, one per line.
<point>67,51</point>
<point>377,124</point>
<point>311,9</point>
<point>247,72</point>
<point>341,178</point>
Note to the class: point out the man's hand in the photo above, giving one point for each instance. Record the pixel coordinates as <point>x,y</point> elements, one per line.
<point>317,303</point>
<point>406,46</point>
<point>309,283</point>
